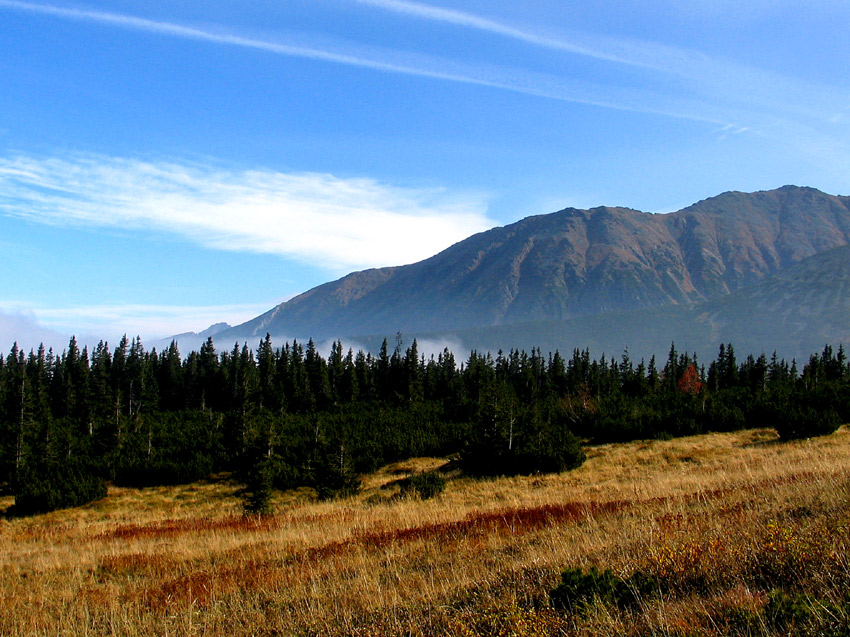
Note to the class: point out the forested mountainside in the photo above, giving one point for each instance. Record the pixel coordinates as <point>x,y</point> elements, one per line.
<point>573,263</point>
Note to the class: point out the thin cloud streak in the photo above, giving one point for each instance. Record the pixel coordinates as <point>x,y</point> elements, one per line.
<point>338,224</point>
<point>461,18</point>
<point>516,81</point>
<point>709,76</point>
<point>709,90</point>
<point>618,50</point>
<point>190,33</point>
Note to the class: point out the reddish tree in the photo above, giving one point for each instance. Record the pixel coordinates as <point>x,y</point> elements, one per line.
<point>690,383</point>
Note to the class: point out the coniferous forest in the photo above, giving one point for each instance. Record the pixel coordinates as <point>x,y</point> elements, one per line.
<point>282,417</point>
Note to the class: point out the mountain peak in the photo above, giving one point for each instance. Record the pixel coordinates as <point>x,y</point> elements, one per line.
<point>573,263</point>
<point>214,329</point>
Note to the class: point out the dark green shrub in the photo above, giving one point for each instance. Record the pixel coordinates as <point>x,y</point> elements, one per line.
<point>258,478</point>
<point>424,485</point>
<point>333,475</point>
<point>168,448</point>
<point>257,495</point>
<point>551,450</point>
<point>792,614</point>
<point>337,484</point>
<point>526,445</point>
<point>578,588</point>
<point>805,421</point>
<point>55,485</point>
<point>786,611</point>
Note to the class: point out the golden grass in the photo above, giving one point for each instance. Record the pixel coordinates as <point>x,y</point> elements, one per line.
<point>722,519</point>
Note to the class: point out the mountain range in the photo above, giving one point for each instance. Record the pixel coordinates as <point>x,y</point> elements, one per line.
<point>767,271</point>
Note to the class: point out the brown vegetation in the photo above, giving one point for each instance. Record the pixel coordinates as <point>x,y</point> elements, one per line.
<point>723,522</point>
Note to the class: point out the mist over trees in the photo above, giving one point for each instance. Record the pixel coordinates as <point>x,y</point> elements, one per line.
<point>282,417</point>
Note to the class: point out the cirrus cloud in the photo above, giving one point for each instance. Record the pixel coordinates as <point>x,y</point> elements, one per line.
<point>326,221</point>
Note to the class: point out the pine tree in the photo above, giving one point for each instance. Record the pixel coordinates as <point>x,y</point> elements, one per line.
<point>13,390</point>
<point>334,473</point>
<point>257,476</point>
<point>209,375</point>
<point>169,379</point>
<point>413,391</point>
<point>268,395</point>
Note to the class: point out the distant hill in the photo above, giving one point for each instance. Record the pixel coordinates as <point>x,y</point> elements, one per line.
<point>604,276</point>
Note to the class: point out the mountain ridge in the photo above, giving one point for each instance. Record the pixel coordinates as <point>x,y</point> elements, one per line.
<point>578,265</point>
<point>756,319</point>
<point>573,263</point>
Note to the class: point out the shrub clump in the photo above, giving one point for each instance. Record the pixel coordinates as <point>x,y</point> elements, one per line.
<point>424,485</point>
<point>56,485</point>
<point>805,422</point>
<point>578,588</point>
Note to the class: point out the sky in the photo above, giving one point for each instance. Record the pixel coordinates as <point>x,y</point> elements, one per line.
<point>166,165</point>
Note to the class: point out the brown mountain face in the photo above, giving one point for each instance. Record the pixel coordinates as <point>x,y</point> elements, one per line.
<point>795,313</point>
<point>574,263</point>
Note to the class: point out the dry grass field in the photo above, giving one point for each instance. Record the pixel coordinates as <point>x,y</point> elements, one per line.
<point>741,534</point>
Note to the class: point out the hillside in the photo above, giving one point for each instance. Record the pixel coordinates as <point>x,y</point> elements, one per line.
<point>795,312</point>
<point>576,263</point>
<point>742,534</point>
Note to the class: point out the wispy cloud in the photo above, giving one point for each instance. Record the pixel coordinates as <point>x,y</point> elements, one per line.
<point>191,33</point>
<point>705,88</point>
<point>473,21</point>
<point>517,80</point>
<point>646,76</point>
<point>738,86</point>
<point>340,224</point>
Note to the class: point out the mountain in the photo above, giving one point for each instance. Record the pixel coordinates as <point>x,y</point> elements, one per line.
<point>586,265</point>
<point>188,341</point>
<point>807,305</point>
<point>794,312</point>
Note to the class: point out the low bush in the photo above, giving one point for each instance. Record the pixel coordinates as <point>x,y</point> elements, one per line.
<point>56,485</point>
<point>578,588</point>
<point>805,421</point>
<point>424,485</point>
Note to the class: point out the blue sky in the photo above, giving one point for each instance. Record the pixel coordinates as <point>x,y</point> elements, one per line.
<point>167,165</point>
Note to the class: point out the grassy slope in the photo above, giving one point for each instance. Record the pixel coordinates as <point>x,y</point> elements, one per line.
<point>720,519</point>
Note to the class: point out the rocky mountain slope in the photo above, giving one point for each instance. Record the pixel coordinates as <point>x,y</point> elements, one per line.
<point>601,262</point>
<point>795,312</point>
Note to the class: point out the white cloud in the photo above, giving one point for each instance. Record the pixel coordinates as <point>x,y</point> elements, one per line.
<point>191,33</point>
<point>739,97</point>
<point>473,21</point>
<point>339,224</point>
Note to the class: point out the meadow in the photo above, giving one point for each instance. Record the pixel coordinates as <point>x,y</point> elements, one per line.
<point>731,534</point>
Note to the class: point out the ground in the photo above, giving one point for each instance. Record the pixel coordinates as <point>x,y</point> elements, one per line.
<point>738,533</point>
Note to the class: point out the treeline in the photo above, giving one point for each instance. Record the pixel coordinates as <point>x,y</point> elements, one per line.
<point>287,416</point>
